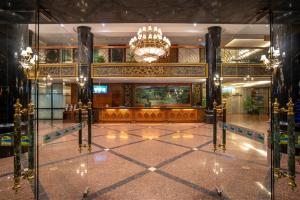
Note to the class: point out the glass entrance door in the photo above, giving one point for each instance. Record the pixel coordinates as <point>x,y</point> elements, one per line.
<point>241,125</point>
<point>64,146</point>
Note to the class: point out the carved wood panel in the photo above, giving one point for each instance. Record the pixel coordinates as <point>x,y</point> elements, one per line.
<point>116,115</point>
<point>182,115</point>
<point>150,115</point>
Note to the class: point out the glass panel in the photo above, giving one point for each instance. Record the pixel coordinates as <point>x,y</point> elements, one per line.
<point>246,90</point>
<point>63,165</point>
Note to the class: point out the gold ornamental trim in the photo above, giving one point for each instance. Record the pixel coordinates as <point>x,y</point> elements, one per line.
<point>198,70</point>
<point>249,67</point>
<point>55,70</point>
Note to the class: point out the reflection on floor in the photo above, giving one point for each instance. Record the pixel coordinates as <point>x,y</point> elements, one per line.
<point>147,161</point>
<point>251,121</point>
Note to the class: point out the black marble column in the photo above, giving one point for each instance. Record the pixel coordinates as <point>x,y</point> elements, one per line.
<point>13,81</point>
<point>13,37</point>
<point>286,79</point>
<point>85,59</point>
<point>285,36</point>
<point>213,59</point>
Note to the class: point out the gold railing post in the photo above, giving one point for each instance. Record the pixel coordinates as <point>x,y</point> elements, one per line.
<point>215,125</point>
<point>90,112</point>
<point>80,122</point>
<point>276,140</point>
<point>291,144</point>
<point>30,174</point>
<point>17,146</point>
<point>224,126</point>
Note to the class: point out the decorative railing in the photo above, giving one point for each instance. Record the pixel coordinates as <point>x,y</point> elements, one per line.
<point>198,70</point>
<point>57,70</point>
<point>243,69</point>
<point>149,70</point>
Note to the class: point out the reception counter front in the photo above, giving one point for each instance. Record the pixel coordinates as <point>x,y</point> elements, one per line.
<point>137,114</point>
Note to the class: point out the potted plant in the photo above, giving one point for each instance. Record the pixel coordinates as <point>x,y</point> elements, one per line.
<point>99,59</point>
<point>249,105</point>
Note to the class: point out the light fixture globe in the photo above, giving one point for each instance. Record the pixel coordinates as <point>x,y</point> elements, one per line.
<point>149,44</point>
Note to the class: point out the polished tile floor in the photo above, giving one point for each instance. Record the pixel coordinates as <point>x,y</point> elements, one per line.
<point>148,162</point>
<point>260,123</point>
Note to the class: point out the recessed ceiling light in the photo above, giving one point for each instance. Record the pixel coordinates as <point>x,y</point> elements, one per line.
<point>61,25</point>
<point>103,24</point>
<point>195,24</point>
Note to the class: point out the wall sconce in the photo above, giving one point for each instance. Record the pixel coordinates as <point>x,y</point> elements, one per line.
<point>27,59</point>
<point>273,61</point>
<point>81,80</point>
<point>48,80</point>
<point>248,78</point>
<point>217,80</point>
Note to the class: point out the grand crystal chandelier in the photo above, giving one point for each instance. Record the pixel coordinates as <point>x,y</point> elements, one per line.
<point>149,44</point>
<point>27,59</point>
<point>274,60</point>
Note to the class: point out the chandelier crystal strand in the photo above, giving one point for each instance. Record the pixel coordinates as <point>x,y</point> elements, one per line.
<point>149,44</point>
<point>27,59</point>
<point>274,60</point>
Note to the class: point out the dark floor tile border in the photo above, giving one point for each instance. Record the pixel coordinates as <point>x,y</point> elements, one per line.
<point>57,161</point>
<point>202,135</point>
<point>128,144</point>
<point>230,157</point>
<point>135,135</point>
<point>180,155</point>
<point>96,125</point>
<point>191,185</point>
<point>116,185</point>
<point>171,143</point>
<point>130,159</point>
<point>204,144</point>
<point>98,145</point>
<point>49,144</point>
<point>124,157</point>
<point>215,153</point>
<point>126,131</point>
<point>6,174</point>
<point>165,129</point>
<point>95,136</point>
<point>70,158</point>
<point>167,134</point>
<point>173,159</point>
<point>172,132</point>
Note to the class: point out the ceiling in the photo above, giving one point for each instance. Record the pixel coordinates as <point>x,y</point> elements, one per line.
<point>163,11</point>
<point>179,33</point>
<point>154,11</point>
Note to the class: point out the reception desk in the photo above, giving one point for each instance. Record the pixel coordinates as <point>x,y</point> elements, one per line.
<point>137,114</point>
